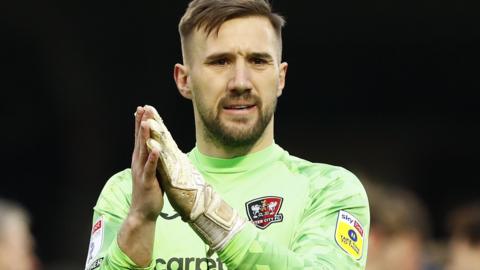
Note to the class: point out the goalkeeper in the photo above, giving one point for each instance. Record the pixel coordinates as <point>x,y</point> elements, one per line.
<point>237,200</point>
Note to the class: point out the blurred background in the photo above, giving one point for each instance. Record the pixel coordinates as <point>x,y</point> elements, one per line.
<point>386,89</point>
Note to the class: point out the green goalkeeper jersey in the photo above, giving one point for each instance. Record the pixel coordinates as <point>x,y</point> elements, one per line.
<point>302,215</point>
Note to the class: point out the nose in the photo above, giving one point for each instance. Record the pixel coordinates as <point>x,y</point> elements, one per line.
<point>240,80</point>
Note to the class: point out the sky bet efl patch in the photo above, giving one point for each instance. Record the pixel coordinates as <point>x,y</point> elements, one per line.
<point>349,234</point>
<point>96,240</point>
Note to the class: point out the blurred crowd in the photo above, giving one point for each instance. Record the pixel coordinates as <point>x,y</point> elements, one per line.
<point>16,241</point>
<point>400,234</point>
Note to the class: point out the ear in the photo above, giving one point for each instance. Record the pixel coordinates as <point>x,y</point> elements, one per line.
<point>180,74</point>
<point>282,75</point>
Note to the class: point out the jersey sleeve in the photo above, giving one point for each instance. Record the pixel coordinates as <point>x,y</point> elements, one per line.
<point>332,234</point>
<point>109,213</point>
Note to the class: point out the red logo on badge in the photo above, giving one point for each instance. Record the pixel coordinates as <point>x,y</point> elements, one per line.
<point>97,226</point>
<point>358,227</point>
<point>264,211</point>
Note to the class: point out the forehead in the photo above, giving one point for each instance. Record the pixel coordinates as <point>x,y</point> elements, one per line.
<point>240,35</point>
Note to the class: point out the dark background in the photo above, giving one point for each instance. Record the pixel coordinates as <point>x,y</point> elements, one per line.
<point>386,89</point>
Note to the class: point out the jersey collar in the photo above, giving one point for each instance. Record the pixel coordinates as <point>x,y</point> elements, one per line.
<point>237,164</point>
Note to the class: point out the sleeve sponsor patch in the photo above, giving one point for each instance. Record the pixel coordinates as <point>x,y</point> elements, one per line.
<point>349,234</point>
<point>96,240</point>
<point>95,264</point>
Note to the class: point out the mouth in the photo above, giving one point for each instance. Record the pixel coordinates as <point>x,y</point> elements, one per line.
<point>239,109</point>
<point>239,106</point>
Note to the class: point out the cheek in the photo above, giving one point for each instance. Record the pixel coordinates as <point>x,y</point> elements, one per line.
<point>207,88</point>
<point>268,91</point>
<point>204,102</point>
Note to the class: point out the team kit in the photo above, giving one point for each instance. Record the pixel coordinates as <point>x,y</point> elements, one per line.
<point>283,198</point>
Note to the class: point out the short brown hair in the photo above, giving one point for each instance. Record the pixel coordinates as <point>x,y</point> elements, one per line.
<point>209,15</point>
<point>395,210</point>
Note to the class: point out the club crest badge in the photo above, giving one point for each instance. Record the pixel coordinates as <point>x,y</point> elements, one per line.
<point>264,211</point>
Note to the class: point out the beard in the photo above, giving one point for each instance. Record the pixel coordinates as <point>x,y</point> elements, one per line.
<point>236,135</point>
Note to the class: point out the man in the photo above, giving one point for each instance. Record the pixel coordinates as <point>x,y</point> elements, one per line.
<point>238,200</point>
<point>16,241</point>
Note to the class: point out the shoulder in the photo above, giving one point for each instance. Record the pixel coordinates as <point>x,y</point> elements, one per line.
<point>327,180</point>
<point>332,189</point>
<point>116,194</point>
<point>119,182</point>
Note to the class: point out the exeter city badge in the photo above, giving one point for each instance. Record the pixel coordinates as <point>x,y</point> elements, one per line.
<point>264,211</point>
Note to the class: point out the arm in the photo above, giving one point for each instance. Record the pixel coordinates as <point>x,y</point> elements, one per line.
<point>136,236</point>
<point>314,245</point>
<point>110,214</point>
<point>132,246</point>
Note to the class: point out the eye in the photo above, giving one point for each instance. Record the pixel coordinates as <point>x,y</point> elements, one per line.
<point>220,62</point>
<point>258,61</point>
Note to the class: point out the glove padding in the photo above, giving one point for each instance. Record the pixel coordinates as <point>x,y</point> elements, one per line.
<point>208,214</point>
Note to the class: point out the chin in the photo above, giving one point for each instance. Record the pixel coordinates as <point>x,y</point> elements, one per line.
<point>239,129</point>
<point>239,136</point>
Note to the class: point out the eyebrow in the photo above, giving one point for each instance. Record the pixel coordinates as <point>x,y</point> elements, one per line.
<point>261,55</point>
<point>215,56</point>
<point>218,56</point>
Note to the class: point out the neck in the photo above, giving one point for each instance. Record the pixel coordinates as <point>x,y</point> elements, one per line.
<point>211,148</point>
